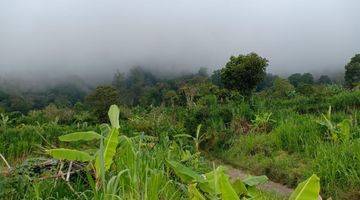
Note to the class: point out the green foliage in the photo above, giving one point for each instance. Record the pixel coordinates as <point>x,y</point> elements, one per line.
<point>106,154</point>
<point>215,183</point>
<point>298,134</point>
<point>275,133</point>
<point>101,99</point>
<point>186,174</point>
<point>70,154</point>
<point>324,80</point>
<point>352,71</point>
<point>77,136</point>
<point>216,78</point>
<point>262,122</point>
<point>267,83</point>
<point>301,79</point>
<point>255,180</point>
<point>244,72</point>
<point>282,88</point>
<point>336,132</point>
<point>307,190</point>
<point>305,89</point>
<point>114,114</point>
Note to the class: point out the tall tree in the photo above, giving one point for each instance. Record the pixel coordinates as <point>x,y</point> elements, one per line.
<point>216,78</point>
<point>295,79</point>
<point>138,82</point>
<point>324,80</point>
<point>298,79</point>
<point>282,88</point>
<point>244,72</point>
<point>352,72</point>
<point>119,83</point>
<point>307,78</point>
<point>268,82</point>
<point>101,99</point>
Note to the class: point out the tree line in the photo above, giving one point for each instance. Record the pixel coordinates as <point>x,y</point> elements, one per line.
<point>240,76</point>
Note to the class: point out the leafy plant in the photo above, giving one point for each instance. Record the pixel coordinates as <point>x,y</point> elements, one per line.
<point>337,132</point>
<point>4,120</point>
<point>307,190</point>
<point>103,157</point>
<point>262,122</point>
<point>215,184</point>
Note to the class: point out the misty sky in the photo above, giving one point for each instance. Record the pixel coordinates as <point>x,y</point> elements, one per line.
<point>94,36</point>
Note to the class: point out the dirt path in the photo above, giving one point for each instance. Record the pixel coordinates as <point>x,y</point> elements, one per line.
<point>269,186</point>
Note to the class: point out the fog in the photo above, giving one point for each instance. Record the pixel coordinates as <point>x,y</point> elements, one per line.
<point>93,38</point>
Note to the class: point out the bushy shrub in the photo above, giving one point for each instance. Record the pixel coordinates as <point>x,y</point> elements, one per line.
<point>346,100</point>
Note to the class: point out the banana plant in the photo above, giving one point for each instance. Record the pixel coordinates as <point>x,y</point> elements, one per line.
<point>337,132</point>
<point>307,190</point>
<point>103,158</point>
<point>215,184</point>
<point>4,120</point>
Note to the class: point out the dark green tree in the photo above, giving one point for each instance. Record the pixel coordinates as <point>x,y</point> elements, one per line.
<point>244,72</point>
<point>119,83</point>
<point>19,103</point>
<point>295,79</point>
<point>268,82</point>
<point>137,83</point>
<point>352,72</point>
<point>282,88</point>
<point>101,99</point>
<point>216,78</point>
<point>307,78</point>
<point>324,80</point>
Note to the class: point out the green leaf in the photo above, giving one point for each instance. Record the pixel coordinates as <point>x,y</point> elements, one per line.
<point>226,189</point>
<point>218,184</point>
<point>184,173</point>
<point>255,180</point>
<point>77,136</point>
<point>345,129</point>
<point>239,187</point>
<point>194,193</point>
<point>70,154</point>
<point>307,190</point>
<point>114,113</point>
<point>110,145</point>
<point>211,185</point>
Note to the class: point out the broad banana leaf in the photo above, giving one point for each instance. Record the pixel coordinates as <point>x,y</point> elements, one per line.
<point>194,193</point>
<point>211,185</point>
<point>218,183</point>
<point>239,187</point>
<point>184,173</point>
<point>226,189</point>
<point>70,154</point>
<point>110,145</point>
<point>77,136</point>
<point>307,190</point>
<point>255,180</point>
<point>114,113</point>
